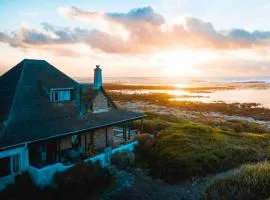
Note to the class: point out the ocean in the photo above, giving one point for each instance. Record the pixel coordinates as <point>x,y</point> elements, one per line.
<point>177,80</point>
<point>234,89</point>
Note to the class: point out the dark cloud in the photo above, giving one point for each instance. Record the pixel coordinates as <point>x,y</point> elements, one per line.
<point>250,36</point>
<point>138,15</point>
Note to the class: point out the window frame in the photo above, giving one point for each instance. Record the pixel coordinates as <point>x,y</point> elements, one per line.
<point>61,95</point>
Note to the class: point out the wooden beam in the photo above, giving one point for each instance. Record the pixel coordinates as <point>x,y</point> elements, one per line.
<point>129,132</point>
<point>123,127</point>
<point>85,143</point>
<point>92,140</point>
<point>141,126</point>
<point>59,150</point>
<point>106,136</point>
<point>125,133</point>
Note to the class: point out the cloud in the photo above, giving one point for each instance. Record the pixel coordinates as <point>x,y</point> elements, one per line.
<point>249,36</point>
<point>137,15</point>
<point>138,31</point>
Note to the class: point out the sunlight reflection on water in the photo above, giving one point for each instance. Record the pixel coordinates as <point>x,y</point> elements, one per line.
<point>240,95</point>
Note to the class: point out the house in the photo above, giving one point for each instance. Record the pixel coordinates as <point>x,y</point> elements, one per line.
<point>48,122</point>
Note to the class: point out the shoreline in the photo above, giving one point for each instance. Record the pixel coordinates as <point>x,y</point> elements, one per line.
<point>189,115</point>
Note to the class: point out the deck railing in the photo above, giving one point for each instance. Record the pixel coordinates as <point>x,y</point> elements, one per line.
<point>44,176</point>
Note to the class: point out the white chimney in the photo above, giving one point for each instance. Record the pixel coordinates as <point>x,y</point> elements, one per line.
<point>97,78</point>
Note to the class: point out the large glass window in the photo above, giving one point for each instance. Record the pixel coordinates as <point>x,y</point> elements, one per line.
<point>5,166</point>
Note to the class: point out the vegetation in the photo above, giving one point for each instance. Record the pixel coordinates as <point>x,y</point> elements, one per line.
<point>251,182</point>
<point>187,150</point>
<point>115,86</point>
<point>24,188</point>
<point>123,159</point>
<point>241,109</point>
<point>153,126</point>
<point>239,126</point>
<point>84,181</point>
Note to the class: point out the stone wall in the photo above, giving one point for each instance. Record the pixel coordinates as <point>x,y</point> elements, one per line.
<point>100,103</point>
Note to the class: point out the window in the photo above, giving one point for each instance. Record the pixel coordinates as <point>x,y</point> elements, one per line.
<point>5,166</point>
<point>16,163</point>
<point>75,140</point>
<point>61,95</point>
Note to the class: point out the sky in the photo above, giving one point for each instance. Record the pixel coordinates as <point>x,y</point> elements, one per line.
<point>139,38</point>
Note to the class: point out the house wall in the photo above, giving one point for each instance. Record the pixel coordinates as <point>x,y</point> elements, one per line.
<point>100,103</point>
<point>44,176</point>
<point>65,143</point>
<point>22,152</point>
<point>100,137</point>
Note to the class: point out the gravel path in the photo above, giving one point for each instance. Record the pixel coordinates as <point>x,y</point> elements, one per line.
<point>139,186</point>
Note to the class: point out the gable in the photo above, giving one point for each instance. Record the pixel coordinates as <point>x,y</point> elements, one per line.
<point>100,103</point>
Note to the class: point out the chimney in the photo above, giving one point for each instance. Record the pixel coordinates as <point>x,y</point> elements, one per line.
<point>97,78</point>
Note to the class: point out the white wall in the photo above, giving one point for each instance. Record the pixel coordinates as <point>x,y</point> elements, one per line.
<point>44,176</point>
<point>23,163</point>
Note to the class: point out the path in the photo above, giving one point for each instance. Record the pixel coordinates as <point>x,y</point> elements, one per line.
<point>140,186</point>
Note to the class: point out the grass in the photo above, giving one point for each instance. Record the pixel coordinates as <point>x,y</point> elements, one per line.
<point>251,182</point>
<point>238,126</point>
<point>185,150</point>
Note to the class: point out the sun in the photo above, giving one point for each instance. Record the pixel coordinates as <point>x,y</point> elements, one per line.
<point>183,62</point>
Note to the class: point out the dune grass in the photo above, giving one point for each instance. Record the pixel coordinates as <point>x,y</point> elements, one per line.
<point>251,182</point>
<point>185,150</point>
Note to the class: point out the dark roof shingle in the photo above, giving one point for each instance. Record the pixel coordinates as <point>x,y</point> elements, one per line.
<point>29,114</point>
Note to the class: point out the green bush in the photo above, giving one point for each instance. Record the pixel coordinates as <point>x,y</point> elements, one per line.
<point>24,188</point>
<point>123,159</point>
<point>252,182</point>
<point>244,126</point>
<point>144,146</point>
<point>190,150</point>
<point>153,126</point>
<point>83,180</point>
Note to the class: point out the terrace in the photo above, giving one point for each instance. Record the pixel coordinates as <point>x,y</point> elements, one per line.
<point>76,148</point>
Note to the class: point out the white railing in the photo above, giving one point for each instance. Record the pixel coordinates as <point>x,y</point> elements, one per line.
<point>44,176</point>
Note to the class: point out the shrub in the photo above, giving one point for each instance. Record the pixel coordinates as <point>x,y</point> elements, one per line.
<point>252,182</point>
<point>83,180</point>
<point>24,188</point>
<point>189,150</point>
<point>153,126</point>
<point>123,159</point>
<point>244,126</point>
